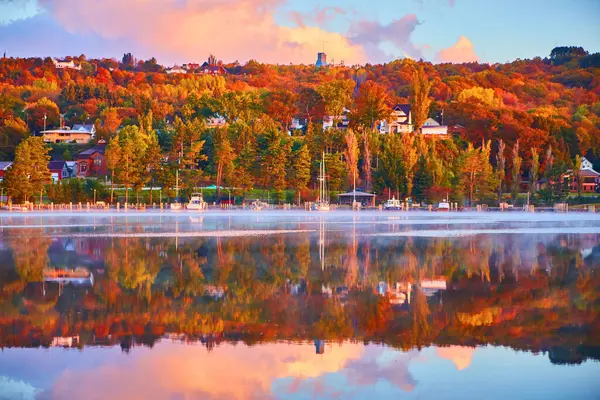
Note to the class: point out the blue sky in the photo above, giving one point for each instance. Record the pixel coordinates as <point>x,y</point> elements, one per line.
<point>177,31</point>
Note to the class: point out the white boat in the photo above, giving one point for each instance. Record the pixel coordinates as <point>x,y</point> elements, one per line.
<point>176,206</point>
<point>196,202</point>
<point>443,206</point>
<point>393,204</point>
<point>323,203</point>
<point>257,205</point>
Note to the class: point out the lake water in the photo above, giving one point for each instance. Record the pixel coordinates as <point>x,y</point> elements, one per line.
<point>290,305</point>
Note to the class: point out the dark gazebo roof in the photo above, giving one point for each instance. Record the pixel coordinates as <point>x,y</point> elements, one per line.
<point>357,193</point>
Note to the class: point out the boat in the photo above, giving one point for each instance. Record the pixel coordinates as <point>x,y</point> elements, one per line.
<point>196,202</point>
<point>393,204</point>
<point>443,206</point>
<point>257,205</point>
<point>323,203</point>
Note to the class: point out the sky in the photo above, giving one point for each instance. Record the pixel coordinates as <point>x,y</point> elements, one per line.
<point>173,370</point>
<point>293,31</point>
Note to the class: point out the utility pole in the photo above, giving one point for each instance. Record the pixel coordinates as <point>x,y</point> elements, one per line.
<point>45,117</point>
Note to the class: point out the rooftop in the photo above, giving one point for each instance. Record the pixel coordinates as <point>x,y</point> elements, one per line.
<point>357,193</point>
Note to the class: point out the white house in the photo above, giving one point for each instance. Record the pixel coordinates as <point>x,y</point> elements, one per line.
<point>176,70</point>
<point>216,121</point>
<point>296,124</point>
<point>342,120</point>
<point>65,64</point>
<point>80,133</point>
<point>400,120</point>
<point>432,127</point>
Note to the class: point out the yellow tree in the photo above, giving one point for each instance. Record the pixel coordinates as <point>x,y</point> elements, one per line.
<point>410,157</point>
<point>420,100</point>
<point>516,171</point>
<point>351,154</point>
<point>29,172</point>
<point>476,175</point>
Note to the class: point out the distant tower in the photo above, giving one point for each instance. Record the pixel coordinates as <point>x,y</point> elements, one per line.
<point>321,60</point>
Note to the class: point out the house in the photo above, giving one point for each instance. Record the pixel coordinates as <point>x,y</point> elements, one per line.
<point>209,69</point>
<point>457,129</point>
<point>321,60</point>
<point>297,124</point>
<point>4,166</point>
<point>58,170</point>
<point>65,64</point>
<point>342,120</point>
<point>400,120</point>
<point>80,134</point>
<point>590,179</point>
<point>432,127</point>
<point>216,121</point>
<point>190,67</point>
<point>92,162</point>
<point>176,70</point>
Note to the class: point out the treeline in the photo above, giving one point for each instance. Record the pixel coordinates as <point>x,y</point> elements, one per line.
<point>513,122</point>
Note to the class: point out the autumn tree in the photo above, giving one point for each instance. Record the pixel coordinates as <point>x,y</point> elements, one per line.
<point>501,167</point>
<point>335,170</point>
<point>516,171</point>
<point>534,171</point>
<point>477,177</point>
<point>224,158</point>
<point>112,154</point>
<point>130,169</point>
<point>12,131</point>
<point>29,171</point>
<point>43,112</point>
<point>245,161</point>
<point>110,122</point>
<point>310,104</point>
<point>274,160</point>
<point>371,105</point>
<point>578,174</point>
<point>281,105</point>
<point>422,181</point>
<point>392,171</point>
<point>371,143</point>
<point>409,154</point>
<point>420,101</point>
<point>300,171</point>
<point>351,153</point>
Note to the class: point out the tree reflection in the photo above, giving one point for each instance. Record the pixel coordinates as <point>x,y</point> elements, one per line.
<point>406,292</point>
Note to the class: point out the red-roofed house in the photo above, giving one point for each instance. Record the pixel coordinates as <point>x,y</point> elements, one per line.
<point>92,162</point>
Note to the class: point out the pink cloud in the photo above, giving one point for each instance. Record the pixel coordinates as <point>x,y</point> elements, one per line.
<point>177,31</point>
<point>327,14</point>
<point>398,32</point>
<point>462,52</point>
<point>460,356</point>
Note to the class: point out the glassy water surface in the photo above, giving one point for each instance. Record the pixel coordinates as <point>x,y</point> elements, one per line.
<point>299,306</point>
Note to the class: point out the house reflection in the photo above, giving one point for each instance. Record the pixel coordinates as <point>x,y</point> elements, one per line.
<point>401,292</point>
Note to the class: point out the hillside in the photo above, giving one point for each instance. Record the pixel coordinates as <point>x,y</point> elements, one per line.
<point>551,103</point>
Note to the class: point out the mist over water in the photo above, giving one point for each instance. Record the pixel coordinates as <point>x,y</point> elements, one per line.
<point>299,305</point>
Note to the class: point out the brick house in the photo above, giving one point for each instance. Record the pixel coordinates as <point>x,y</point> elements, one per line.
<point>92,162</point>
